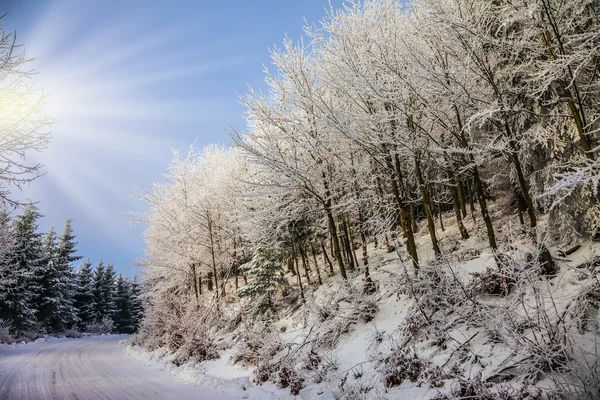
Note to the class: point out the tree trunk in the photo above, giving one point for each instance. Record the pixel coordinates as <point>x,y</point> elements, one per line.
<point>314,254</point>
<point>413,219</point>
<point>304,264</point>
<point>456,203</point>
<point>461,196</point>
<point>351,239</point>
<point>426,208</point>
<point>484,210</point>
<point>347,244</point>
<point>326,257</point>
<point>439,209</point>
<point>212,253</point>
<point>209,281</point>
<point>194,280</point>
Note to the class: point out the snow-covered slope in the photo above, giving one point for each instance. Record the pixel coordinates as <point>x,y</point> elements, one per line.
<point>441,333</point>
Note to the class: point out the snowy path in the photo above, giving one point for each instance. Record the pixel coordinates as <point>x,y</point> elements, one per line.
<point>88,369</point>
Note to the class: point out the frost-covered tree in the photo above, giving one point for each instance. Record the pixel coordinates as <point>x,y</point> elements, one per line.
<point>84,298</point>
<point>22,280</point>
<point>266,276</point>
<point>49,298</point>
<point>137,308</point>
<point>65,257</point>
<point>24,126</point>
<point>123,316</point>
<point>103,283</point>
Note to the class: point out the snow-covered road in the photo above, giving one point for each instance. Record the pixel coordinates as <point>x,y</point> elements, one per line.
<point>88,369</point>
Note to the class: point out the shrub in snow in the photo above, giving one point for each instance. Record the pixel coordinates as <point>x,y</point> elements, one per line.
<point>257,342</point>
<point>72,334</point>
<point>587,305</point>
<point>535,328</point>
<point>477,389</point>
<point>288,377</point>
<point>361,389</point>
<point>492,282</point>
<point>582,382</point>
<point>439,299</point>
<point>102,327</point>
<point>30,336</point>
<point>5,329</point>
<point>401,364</point>
<point>200,348</point>
<point>283,374</point>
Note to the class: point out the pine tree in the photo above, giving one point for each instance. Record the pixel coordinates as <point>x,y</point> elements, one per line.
<point>266,269</point>
<point>23,263</point>
<point>99,310</point>
<point>64,264</point>
<point>110,289</point>
<point>137,308</point>
<point>123,317</point>
<point>84,295</point>
<point>47,299</point>
<point>7,278</point>
<point>103,290</point>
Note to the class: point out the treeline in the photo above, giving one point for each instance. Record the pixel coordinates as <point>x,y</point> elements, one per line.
<point>41,291</point>
<point>390,115</point>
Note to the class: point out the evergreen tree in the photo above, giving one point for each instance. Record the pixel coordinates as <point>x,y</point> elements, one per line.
<point>266,269</point>
<point>123,317</point>
<point>6,233</point>
<point>22,264</point>
<point>84,295</point>
<point>7,277</point>
<point>64,264</point>
<point>99,309</point>
<point>137,309</point>
<point>47,299</point>
<point>104,290</point>
<point>110,289</point>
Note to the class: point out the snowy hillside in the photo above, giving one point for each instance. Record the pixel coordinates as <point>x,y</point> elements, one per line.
<point>456,330</point>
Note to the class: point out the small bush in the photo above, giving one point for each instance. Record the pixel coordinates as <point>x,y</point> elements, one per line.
<point>287,377</point>
<point>258,342</point>
<point>5,328</point>
<point>101,327</point>
<point>72,334</point>
<point>477,389</point>
<point>262,373</point>
<point>400,365</point>
<point>198,349</point>
<point>30,336</point>
<point>492,282</point>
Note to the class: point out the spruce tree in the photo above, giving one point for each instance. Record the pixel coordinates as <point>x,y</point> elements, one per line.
<point>137,308</point>
<point>265,267</point>
<point>23,264</point>
<point>47,298</point>
<point>64,264</point>
<point>110,289</point>
<point>104,290</point>
<point>123,303</point>
<point>84,300</point>
<point>7,277</point>
<point>100,306</point>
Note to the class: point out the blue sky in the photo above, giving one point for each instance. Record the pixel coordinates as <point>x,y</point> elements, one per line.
<point>129,81</point>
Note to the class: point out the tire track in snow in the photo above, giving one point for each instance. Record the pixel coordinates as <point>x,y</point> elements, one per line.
<point>88,369</point>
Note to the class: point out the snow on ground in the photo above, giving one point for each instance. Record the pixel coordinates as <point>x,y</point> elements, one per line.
<point>356,349</point>
<point>89,368</point>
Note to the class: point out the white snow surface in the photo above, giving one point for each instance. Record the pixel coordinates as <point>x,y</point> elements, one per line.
<point>90,368</point>
<point>109,367</point>
<point>354,351</point>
